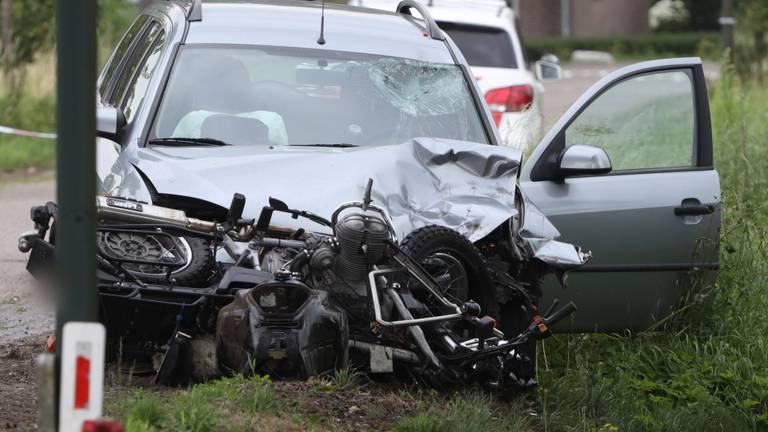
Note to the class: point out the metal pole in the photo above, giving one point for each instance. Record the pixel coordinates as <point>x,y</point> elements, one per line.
<point>565,17</point>
<point>76,178</point>
<point>727,21</point>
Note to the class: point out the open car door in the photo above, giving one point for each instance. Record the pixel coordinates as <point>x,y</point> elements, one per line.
<point>628,173</point>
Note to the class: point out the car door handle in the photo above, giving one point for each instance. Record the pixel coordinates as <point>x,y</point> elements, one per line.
<point>694,210</point>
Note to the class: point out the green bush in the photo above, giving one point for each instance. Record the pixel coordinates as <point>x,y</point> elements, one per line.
<point>704,44</point>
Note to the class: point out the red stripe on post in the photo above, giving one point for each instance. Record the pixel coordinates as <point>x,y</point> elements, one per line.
<point>82,382</point>
<point>102,426</point>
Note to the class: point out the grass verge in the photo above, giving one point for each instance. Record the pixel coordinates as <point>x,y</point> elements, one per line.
<point>18,153</point>
<point>236,403</point>
<point>35,113</point>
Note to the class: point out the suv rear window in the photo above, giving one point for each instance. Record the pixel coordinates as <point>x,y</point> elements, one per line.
<point>482,46</point>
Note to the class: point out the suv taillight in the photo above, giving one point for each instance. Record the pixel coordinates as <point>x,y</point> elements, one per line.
<point>508,99</point>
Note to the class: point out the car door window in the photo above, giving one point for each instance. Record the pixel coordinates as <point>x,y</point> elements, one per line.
<point>124,85</point>
<point>645,122</point>
<point>134,95</point>
<point>120,52</point>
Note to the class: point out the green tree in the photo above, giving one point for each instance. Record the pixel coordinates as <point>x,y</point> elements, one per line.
<point>752,28</point>
<point>27,27</point>
<point>115,16</point>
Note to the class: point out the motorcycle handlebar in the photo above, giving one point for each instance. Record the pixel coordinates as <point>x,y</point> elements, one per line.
<point>561,313</point>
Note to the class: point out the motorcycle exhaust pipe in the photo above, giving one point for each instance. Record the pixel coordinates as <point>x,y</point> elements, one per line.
<point>398,354</point>
<point>118,210</point>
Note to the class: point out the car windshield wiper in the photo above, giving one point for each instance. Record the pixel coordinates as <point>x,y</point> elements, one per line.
<point>335,145</point>
<point>184,142</point>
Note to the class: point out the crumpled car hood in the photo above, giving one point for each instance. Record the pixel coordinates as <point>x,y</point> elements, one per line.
<point>464,186</point>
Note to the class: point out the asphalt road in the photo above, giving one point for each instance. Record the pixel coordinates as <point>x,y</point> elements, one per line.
<point>23,308</point>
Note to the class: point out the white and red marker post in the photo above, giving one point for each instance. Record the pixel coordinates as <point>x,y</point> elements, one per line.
<point>81,390</point>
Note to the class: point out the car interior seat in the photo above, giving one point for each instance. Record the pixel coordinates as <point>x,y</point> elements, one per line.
<point>235,130</point>
<point>215,83</point>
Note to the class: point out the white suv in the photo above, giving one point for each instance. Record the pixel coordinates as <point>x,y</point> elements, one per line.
<point>486,33</point>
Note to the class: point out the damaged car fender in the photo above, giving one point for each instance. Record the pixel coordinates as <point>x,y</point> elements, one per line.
<point>116,173</point>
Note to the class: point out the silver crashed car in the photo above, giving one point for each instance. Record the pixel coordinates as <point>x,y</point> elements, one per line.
<point>243,148</point>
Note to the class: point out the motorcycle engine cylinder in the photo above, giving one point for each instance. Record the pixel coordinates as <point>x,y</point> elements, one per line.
<point>362,243</point>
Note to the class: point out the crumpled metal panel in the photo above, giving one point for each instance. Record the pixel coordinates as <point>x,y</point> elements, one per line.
<point>540,235</point>
<point>464,186</point>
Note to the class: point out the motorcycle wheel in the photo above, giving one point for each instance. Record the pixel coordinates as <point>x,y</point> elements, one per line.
<point>195,273</point>
<point>456,263</point>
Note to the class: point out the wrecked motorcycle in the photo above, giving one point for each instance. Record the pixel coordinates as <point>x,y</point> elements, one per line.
<point>295,303</point>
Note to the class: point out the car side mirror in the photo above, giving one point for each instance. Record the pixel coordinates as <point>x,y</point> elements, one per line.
<point>548,68</point>
<point>109,122</point>
<point>582,159</point>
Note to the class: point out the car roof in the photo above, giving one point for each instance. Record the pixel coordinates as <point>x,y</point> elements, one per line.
<point>297,24</point>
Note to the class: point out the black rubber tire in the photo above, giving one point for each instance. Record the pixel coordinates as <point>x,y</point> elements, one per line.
<point>199,270</point>
<point>431,239</point>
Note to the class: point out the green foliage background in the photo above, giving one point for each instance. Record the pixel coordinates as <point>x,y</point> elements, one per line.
<point>33,30</point>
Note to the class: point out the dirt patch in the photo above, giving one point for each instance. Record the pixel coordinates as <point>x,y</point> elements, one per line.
<point>369,406</point>
<point>18,409</point>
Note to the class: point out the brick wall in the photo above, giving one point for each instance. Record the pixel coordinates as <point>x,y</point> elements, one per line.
<point>540,18</point>
<point>609,17</point>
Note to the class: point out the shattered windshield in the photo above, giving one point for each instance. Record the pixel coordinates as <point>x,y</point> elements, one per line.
<point>288,96</point>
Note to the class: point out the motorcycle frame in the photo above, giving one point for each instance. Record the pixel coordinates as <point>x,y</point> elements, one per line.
<point>376,304</point>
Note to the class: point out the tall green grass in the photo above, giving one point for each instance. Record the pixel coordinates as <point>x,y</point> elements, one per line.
<point>469,412</point>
